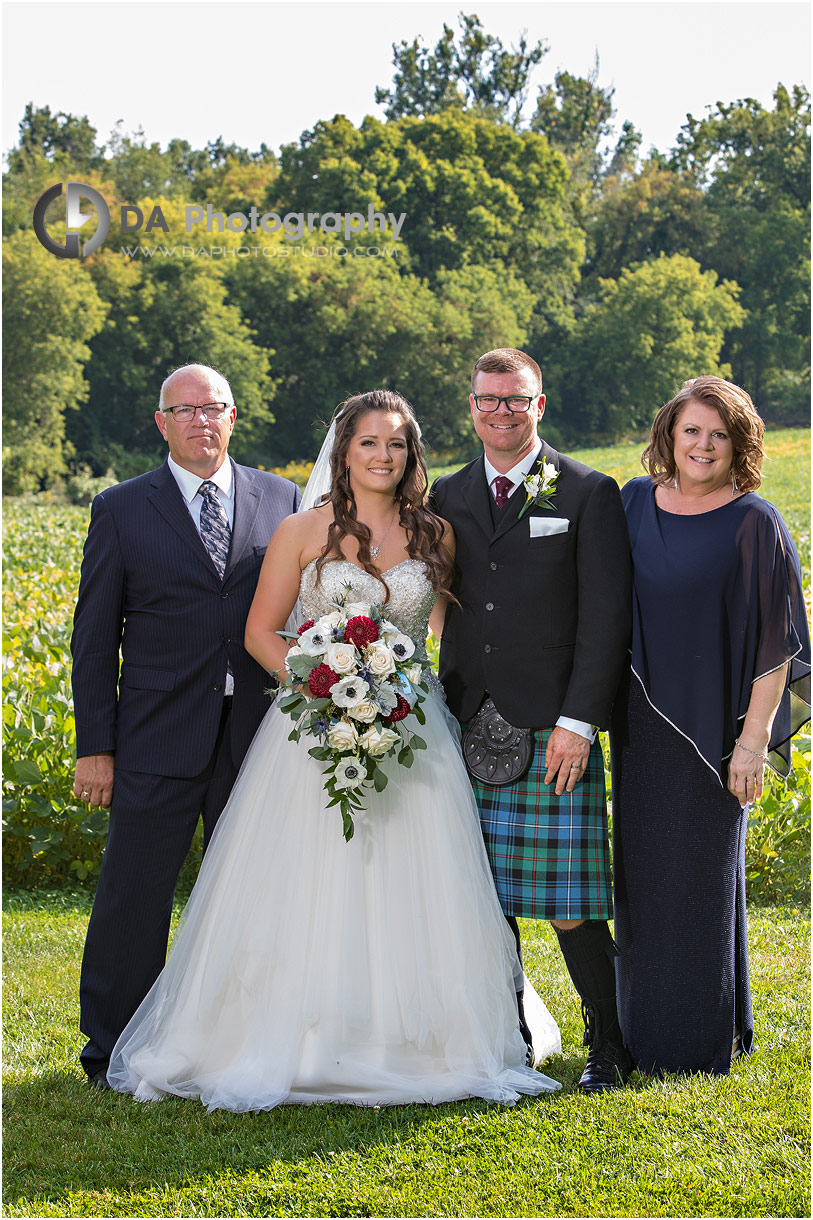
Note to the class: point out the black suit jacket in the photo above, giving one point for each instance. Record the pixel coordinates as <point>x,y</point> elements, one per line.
<point>150,592</point>
<point>544,622</point>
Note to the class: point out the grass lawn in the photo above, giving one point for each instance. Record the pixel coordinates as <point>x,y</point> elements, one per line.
<point>733,1146</point>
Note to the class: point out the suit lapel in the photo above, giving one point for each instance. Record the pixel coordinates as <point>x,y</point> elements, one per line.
<point>246,506</point>
<point>165,495</point>
<point>476,494</point>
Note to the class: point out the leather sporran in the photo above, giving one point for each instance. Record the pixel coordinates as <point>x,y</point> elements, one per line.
<point>495,751</point>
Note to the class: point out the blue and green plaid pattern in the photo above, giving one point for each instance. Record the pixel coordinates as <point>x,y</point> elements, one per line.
<point>550,855</point>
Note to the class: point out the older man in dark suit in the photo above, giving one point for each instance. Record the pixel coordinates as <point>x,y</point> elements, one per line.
<point>167,699</point>
<point>542,628</point>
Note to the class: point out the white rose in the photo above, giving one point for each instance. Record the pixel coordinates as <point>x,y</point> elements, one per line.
<point>402,647</point>
<point>415,673</point>
<point>379,742</point>
<point>350,774</point>
<point>342,736</point>
<point>341,658</point>
<point>330,620</point>
<point>365,711</point>
<point>356,610</point>
<point>380,659</point>
<point>349,692</point>
<point>314,641</point>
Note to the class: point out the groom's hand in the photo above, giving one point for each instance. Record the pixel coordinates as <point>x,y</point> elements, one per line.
<point>566,759</point>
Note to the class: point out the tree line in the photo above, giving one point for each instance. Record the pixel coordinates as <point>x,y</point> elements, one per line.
<point>621,273</point>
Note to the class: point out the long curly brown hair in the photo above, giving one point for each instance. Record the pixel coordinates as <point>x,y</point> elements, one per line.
<point>424,529</point>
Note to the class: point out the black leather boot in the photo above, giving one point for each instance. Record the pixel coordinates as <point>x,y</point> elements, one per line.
<point>589,952</point>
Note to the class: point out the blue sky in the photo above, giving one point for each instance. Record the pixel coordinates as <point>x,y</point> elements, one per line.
<point>254,72</point>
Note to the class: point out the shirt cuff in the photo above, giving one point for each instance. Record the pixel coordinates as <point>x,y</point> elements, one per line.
<point>578,726</point>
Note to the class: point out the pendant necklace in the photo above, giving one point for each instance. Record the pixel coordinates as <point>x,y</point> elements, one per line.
<point>374,550</point>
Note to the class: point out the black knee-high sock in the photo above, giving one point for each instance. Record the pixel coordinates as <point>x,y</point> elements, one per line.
<point>589,952</point>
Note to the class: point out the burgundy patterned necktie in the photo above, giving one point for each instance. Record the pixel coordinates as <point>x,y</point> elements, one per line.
<point>502,486</point>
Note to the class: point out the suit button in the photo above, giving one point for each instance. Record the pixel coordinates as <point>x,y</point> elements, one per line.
<point>493,567</point>
<point>226,639</point>
<point>487,648</point>
<point>489,605</point>
<point>217,686</point>
<point>223,596</point>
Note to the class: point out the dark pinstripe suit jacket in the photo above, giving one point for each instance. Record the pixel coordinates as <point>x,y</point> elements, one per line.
<point>150,592</point>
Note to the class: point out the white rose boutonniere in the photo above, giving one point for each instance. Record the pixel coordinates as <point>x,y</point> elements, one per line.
<point>540,487</point>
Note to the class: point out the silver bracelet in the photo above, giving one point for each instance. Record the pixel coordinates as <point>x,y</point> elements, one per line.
<point>748,750</point>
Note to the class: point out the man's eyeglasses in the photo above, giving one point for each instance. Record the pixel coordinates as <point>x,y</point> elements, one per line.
<point>517,403</point>
<point>183,413</point>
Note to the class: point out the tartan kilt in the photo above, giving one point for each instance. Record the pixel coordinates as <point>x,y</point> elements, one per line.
<point>550,855</point>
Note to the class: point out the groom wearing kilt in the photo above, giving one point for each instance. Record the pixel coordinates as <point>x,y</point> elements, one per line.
<point>540,640</point>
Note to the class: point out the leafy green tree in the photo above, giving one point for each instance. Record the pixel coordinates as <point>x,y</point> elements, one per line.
<point>58,137</point>
<point>163,312</point>
<point>754,166</point>
<point>657,211</point>
<point>335,325</point>
<point>473,192</point>
<point>660,323</point>
<point>50,312</point>
<point>474,71</point>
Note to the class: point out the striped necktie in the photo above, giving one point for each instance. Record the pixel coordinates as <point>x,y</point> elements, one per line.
<point>214,526</point>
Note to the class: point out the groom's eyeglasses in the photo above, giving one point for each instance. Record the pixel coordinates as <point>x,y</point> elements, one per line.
<point>183,413</point>
<point>517,403</point>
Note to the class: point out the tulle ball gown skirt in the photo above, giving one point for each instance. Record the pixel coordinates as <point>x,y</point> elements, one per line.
<point>307,969</point>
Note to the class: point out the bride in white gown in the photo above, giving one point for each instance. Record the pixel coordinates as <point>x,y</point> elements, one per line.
<point>309,969</point>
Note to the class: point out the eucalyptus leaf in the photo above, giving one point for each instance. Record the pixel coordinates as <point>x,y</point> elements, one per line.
<point>380,780</point>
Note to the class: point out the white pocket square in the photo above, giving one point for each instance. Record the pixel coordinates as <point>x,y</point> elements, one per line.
<point>542,526</point>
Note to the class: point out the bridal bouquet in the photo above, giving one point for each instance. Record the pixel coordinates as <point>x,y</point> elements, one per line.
<point>352,684</point>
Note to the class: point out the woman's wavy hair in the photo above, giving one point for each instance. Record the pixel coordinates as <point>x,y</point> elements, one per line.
<point>424,528</point>
<point>737,412</point>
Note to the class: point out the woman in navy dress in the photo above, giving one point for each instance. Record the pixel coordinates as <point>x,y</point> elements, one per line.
<point>719,675</point>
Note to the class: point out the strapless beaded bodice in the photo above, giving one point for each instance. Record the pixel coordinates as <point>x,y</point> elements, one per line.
<point>410,602</point>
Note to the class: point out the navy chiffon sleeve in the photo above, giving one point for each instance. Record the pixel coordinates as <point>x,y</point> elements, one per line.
<point>718,603</point>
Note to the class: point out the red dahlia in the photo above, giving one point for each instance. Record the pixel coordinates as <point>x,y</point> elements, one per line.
<point>305,627</point>
<point>361,631</point>
<point>321,680</point>
<point>400,711</point>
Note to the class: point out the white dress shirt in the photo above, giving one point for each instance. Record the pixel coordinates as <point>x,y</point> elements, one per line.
<point>516,474</point>
<point>189,483</point>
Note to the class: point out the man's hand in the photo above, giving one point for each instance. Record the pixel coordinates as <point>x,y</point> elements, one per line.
<point>94,779</point>
<point>566,759</point>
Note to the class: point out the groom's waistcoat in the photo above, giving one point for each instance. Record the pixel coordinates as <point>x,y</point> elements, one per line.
<point>545,618</point>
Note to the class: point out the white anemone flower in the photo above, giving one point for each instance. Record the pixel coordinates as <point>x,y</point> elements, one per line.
<point>349,692</point>
<point>350,774</point>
